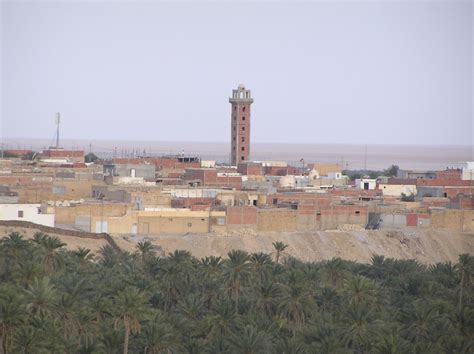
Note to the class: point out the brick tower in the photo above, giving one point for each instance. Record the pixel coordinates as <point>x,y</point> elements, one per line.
<point>240,133</point>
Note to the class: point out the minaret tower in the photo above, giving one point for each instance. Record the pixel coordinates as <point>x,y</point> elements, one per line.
<point>240,125</point>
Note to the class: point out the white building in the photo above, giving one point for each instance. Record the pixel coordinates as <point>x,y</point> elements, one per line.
<point>468,171</point>
<point>26,212</point>
<point>396,190</point>
<point>366,183</point>
<point>334,175</point>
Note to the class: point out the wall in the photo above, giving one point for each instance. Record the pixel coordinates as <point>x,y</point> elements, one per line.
<point>458,220</point>
<point>277,220</point>
<point>68,215</point>
<point>31,213</point>
<point>397,189</point>
<point>245,215</point>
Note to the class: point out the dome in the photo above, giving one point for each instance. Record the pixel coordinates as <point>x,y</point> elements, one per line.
<point>241,87</point>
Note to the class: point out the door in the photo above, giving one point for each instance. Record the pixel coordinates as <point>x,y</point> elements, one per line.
<point>366,186</point>
<point>134,229</point>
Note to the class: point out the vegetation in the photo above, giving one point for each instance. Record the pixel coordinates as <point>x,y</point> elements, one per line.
<point>407,197</point>
<point>392,171</point>
<point>91,157</point>
<point>58,301</point>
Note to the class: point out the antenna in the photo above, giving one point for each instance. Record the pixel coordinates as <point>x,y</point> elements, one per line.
<point>57,121</point>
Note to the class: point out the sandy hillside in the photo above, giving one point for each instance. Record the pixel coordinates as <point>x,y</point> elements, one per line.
<point>426,246</point>
<point>71,242</point>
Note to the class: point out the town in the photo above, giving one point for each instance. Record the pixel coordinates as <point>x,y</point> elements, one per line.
<point>139,197</point>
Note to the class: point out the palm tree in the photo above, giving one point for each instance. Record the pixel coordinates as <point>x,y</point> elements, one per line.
<point>109,256</point>
<point>130,306</point>
<point>159,337</point>
<point>25,272</point>
<point>11,316</point>
<point>41,298</point>
<point>268,296</point>
<point>27,339</point>
<point>280,247</point>
<point>145,249</point>
<point>250,340</point>
<point>295,304</point>
<point>360,327</point>
<point>84,255</point>
<point>465,268</point>
<point>360,289</point>
<point>51,245</point>
<point>260,263</point>
<point>237,271</point>
<point>335,272</point>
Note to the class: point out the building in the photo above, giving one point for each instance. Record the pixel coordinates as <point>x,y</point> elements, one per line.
<point>26,212</point>
<point>468,171</point>
<point>59,155</point>
<point>240,125</point>
<point>396,186</point>
<point>366,183</point>
<point>144,170</point>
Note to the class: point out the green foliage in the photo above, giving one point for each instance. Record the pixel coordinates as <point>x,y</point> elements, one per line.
<point>392,171</point>
<point>407,198</point>
<point>58,301</point>
<point>90,157</point>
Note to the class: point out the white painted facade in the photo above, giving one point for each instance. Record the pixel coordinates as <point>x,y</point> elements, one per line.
<point>26,212</point>
<point>396,190</point>
<point>335,175</point>
<point>208,163</point>
<point>366,183</point>
<point>468,171</point>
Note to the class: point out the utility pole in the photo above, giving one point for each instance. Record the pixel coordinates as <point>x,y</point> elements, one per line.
<point>365,159</point>
<point>58,120</point>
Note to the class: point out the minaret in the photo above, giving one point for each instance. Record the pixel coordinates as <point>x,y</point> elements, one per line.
<point>240,133</point>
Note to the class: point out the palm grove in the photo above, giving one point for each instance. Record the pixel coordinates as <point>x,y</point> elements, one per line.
<point>57,301</point>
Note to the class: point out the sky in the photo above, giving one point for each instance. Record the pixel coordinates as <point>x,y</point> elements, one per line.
<point>376,72</point>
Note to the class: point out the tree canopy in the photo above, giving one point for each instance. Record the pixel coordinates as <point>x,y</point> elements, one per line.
<point>57,301</point>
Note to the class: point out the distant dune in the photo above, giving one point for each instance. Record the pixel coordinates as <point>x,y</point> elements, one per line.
<point>353,156</point>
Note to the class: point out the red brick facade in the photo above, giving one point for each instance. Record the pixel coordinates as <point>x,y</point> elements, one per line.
<point>240,125</point>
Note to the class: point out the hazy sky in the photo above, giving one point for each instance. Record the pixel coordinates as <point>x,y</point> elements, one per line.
<point>345,72</point>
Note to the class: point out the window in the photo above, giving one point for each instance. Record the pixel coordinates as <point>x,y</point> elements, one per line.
<point>243,129</point>
<point>242,158</point>
<point>243,109</point>
<point>357,212</point>
<point>243,117</point>
<point>243,139</point>
<point>318,216</point>
<point>243,149</point>
<point>20,213</point>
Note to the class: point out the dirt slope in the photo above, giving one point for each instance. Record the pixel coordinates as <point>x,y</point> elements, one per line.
<point>72,243</point>
<point>426,246</point>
